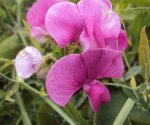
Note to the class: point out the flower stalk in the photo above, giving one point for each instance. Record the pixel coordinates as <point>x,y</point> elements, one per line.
<point>25,117</point>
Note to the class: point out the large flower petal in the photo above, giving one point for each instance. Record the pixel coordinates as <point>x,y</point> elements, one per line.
<point>110,24</point>
<point>65,77</point>
<point>91,12</point>
<point>36,14</point>
<point>28,62</point>
<point>97,93</point>
<point>63,23</point>
<point>103,63</point>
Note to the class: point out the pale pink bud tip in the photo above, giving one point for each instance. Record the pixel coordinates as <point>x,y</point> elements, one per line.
<point>27,62</point>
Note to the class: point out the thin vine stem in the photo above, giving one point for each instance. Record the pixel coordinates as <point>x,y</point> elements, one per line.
<point>25,117</point>
<point>43,97</point>
<point>22,38</point>
<point>126,61</point>
<point>118,85</point>
<point>136,8</point>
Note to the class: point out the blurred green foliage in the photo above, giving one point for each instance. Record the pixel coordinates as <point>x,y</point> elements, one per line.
<point>14,33</point>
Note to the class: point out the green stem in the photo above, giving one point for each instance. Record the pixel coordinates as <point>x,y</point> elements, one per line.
<point>25,117</point>
<point>22,38</point>
<point>118,85</point>
<point>8,12</point>
<point>31,89</point>
<point>18,121</point>
<point>5,60</point>
<point>81,101</point>
<point>19,6</point>
<point>124,112</point>
<point>49,56</point>
<point>126,61</point>
<point>5,66</point>
<point>46,99</point>
<point>59,111</point>
<point>94,117</point>
<point>128,66</point>
<point>9,79</point>
<point>136,8</point>
<point>75,114</point>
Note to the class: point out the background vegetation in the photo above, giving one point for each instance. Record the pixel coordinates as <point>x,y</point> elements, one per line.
<point>21,104</point>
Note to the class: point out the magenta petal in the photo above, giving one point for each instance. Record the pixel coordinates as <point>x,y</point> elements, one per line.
<point>103,63</point>
<point>111,43</point>
<point>87,42</point>
<point>105,5</point>
<point>122,40</point>
<point>110,24</point>
<point>63,23</point>
<point>119,43</point>
<point>98,36</point>
<point>36,14</point>
<point>90,11</point>
<point>38,33</point>
<point>97,93</point>
<point>65,77</point>
<point>27,62</point>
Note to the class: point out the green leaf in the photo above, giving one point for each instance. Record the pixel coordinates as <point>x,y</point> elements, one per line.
<point>47,116</point>
<point>144,55</point>
<point>2,94</point>
<point>139,117</point>
<point>124,112</point>
<point>107,113</point>
<point>140,20</point>
<point>3,14</point>
<point>132,72</point>
<point>10,46</point>
<point>135,28</point>
<point>132,94</point>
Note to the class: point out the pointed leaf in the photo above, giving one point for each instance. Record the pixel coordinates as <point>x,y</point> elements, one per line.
<point>144,55</point>
<point>10,46</point>
<point>139,117</point>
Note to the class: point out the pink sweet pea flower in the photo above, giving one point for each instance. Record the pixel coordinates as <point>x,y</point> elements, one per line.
<point>36,17</point>
<point>28,61</point>
<point>76,71</point>
<point>92,22</point>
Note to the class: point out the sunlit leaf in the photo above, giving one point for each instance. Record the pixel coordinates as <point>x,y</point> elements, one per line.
<point>124,112</point>
<point>144,55</point>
